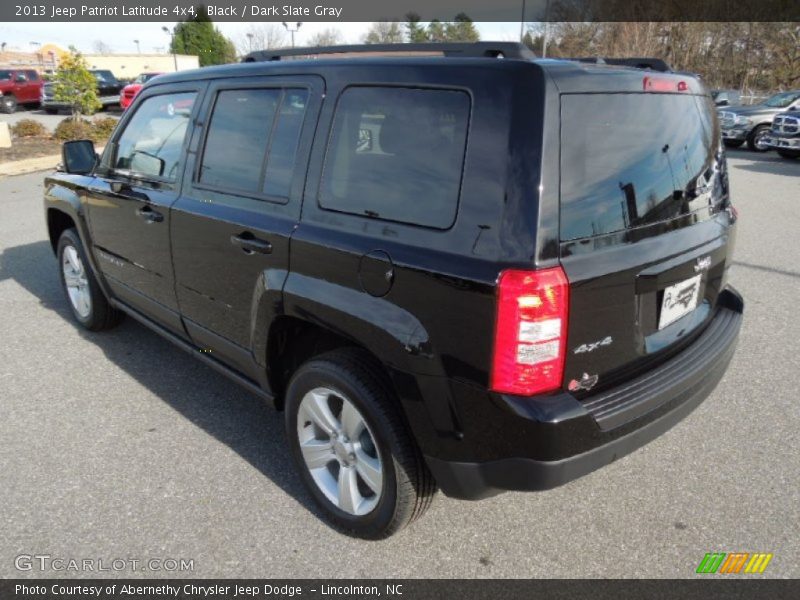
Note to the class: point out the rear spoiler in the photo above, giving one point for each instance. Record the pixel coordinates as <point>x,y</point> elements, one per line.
<point>651,64</point>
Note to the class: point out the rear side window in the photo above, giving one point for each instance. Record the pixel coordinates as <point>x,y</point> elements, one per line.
<point>252,141</point>
<point>629,160</point>
<point>397,154</point>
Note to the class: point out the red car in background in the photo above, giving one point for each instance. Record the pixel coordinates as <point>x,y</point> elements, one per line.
<point>129,91</point>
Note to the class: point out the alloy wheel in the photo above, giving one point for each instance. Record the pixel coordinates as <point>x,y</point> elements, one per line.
<point>76,281</point>
<point>339,451</point>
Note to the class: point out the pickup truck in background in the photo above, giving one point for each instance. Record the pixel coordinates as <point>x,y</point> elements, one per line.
<point>752,123</point>
<point>19,86</point>
<point>108,92</point>
<point>784,136</point>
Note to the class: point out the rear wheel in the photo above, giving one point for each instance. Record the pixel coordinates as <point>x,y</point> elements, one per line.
<point>756,141</point>
<point>353,448</point>
<point>8,104</point>
<point>789,153</point>
<point>733,143</point>
<point>86,300</point>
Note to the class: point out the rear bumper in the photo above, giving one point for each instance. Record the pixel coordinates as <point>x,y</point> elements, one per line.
<point>574,438</point>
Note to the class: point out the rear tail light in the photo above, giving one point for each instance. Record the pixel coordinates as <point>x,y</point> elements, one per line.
<point>530,331</point>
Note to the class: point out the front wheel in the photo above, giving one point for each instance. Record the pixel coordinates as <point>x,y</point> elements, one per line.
<point>790,154</point>
<point>86,300</point>
<point>352,446</point>
<point>756,141</point>
<point>8,104</point>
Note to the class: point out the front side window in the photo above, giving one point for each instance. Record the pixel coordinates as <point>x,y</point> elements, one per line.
<point>397,154</point>
<point>152,143</point>
<point>252,141</point>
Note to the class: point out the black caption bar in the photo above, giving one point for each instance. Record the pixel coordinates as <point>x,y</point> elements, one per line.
<point>370,10</point>
<point>406,589</point>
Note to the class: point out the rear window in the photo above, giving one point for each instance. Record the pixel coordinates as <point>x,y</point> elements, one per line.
<point>397,154</point>
<point>629,160</point>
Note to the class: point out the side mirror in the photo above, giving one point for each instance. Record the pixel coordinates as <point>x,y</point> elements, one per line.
<point>78,157</point>
<point>146,164</point>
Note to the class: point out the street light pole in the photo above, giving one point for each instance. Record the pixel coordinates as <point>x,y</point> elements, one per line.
<point>292,31</point>
<point>250,42</point>
<point>138,49</point>
<point>522,22</point>
<point>171,34</point>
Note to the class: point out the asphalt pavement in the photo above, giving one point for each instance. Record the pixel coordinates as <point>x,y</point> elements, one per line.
<point>118,445</point>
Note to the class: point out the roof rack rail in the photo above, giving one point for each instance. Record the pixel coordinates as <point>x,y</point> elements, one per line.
<point>653,64</point>
<point>458,50</point>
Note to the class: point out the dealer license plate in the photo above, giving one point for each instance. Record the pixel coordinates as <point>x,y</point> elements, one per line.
<point>679,300</point>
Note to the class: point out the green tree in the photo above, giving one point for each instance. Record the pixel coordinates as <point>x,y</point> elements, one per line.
<point>414,31</point>
<point>384,32</point>
<point>75,85</point>
<point>198,36</point>
<point>462,29</point>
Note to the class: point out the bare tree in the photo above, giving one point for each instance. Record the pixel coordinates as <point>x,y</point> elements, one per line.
<point>262,36</point>
<point>100,47</point>
<point>384,32</point>
<point>758,56</point>
<point>326,37</point>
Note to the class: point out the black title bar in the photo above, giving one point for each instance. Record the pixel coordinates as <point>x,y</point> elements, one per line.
<point>707,587</point>
<point>371,10</point>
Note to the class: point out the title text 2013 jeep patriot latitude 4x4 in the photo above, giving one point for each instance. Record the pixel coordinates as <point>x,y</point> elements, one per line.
<point>450,271</point>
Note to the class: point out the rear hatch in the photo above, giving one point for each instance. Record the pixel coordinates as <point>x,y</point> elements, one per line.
<point>645,234</point>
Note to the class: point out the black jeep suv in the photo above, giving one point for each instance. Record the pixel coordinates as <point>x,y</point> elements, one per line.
<point>450,271</point>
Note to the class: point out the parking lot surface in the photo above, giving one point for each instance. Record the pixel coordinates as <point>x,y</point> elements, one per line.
<point>119,445</point>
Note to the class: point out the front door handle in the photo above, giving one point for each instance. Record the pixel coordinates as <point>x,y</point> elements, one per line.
<point>250,243</point>
<point>150,215</point>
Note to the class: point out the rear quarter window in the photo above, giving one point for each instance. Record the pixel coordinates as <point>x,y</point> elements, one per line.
<point>397,154</point>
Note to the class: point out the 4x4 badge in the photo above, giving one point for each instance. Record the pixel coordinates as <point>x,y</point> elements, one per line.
<point>586,382</point>
<point>606,341</point>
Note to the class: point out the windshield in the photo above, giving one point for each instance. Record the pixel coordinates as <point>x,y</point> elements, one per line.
<point>782,100</point>
<point>104,76</point>
<point>5,75</point>
<point>145,77</point>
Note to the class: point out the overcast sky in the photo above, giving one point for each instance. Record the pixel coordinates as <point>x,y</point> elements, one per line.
<point>120,36</point>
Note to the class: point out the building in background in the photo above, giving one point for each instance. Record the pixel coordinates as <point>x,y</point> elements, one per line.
<point>124,66</point>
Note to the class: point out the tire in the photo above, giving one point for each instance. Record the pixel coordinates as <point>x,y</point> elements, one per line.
<point>51,111</point>
<point>733,143</point>
<point>348,380</point>
<point>753,140</point>
<point>790,154</point>
<point>86,300</point>
<point>8,104</point>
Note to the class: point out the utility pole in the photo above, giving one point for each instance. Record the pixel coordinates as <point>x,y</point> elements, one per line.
<point>522,23</point>
<point>292,30</point>
<point>171,34</point>
<point>138,49</point>
<point>250,41</point>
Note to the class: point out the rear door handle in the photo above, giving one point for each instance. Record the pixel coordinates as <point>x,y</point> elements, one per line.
<point>250,243</point>
<point>150,215</point>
